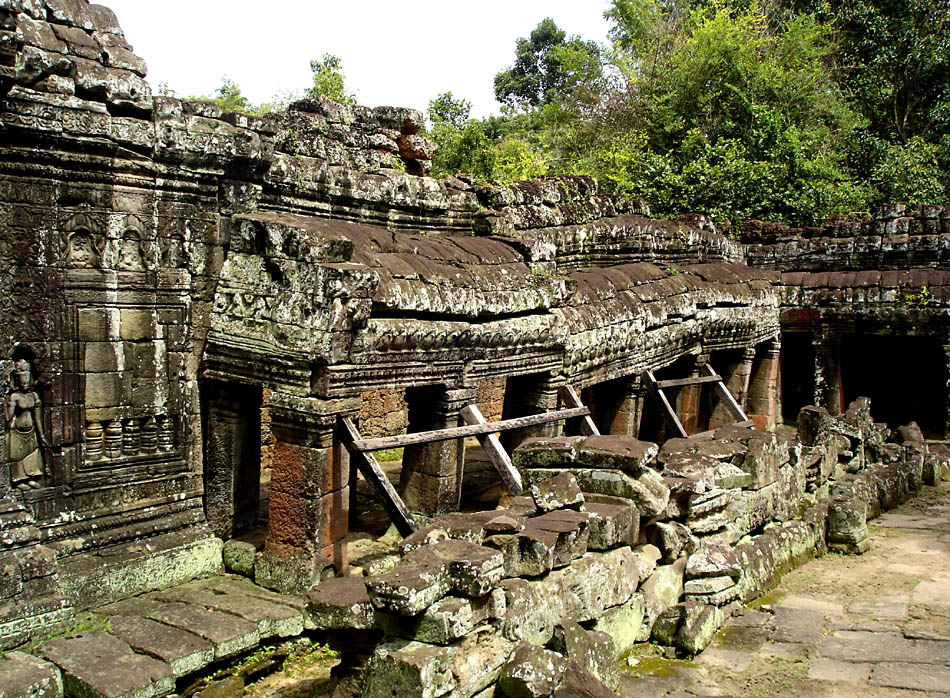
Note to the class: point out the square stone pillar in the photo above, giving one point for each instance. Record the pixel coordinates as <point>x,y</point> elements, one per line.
<point>309,500</point>
<point>535,393</point>
<point>828,391</point>
<point>431,477</point>
<point>626,420</point>
<point>688,400</point>
<point>736,377</point>
<point>763,401</point>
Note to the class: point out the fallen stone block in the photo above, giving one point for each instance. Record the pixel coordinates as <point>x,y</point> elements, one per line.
<point>409,589</point>
<point>528,553</point>
<point>623,623</point>
<point>531,612</point>
<point>594,651</point>
<point>25,676</point>
<point>553,452</point>
<point>341,603</point>
<point>558,492</point>
<point>447,620</point>
<point>617,452</point>
<point>613,522</point>
<point>532,672</point>
<point>97,665</point>
<point>662,590</point>
<point>418,670</point>
<point>572,533</point>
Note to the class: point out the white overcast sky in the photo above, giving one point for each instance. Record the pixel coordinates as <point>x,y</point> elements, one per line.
<point>394,53</point>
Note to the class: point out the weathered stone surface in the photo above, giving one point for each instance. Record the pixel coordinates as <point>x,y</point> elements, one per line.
<point>593,651</point>
<point>228,634</point>
<point>611,452</point>
<point>25,676</point>
<point>623,623</point>
<point>660,591</point>
<point>341,603</point>
<point>613,522</point>
<point>184,652</point>
<point>558,492</point>
<point>532,672</point>
<point>97,664</point>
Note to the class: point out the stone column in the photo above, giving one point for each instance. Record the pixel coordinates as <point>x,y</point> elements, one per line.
<point>736,377</point>
<point>626,419</point>
<point>431,478</point>
<point>526,395</point>
<point>688,399</point>
<point>309,500</point>
<point>828,392</point>
<point>763,398</point>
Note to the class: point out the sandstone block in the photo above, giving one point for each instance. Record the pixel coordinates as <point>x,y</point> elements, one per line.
<point>558,492</point>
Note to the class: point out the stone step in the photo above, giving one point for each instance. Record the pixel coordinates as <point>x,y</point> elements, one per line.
<point>97,665</point>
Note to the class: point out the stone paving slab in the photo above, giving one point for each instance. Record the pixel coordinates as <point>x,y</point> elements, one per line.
<point>798,625</point>
<point>823,669</point>
<point>184,652</point>
<point>97,665</point>
<point>881,607</point>
<point>25,676</point>
<point>229,635</point>
<point>918,677</point>
<point>859,646</point>
<point>272,619</point>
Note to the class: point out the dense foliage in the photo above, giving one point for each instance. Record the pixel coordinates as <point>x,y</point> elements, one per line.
<point>783,109</point>
<point>775,109</point>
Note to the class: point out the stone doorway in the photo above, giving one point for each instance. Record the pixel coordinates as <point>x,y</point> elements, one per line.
<point>236,485</point>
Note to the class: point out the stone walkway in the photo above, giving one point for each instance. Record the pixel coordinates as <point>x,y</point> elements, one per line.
<point>875,625</point>
<point>138,648</point>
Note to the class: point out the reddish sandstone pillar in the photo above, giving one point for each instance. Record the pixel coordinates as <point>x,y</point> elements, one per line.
<point>688,400</point>
<point>431,478</point>
<point>309,500</point>
<point>763,406</point>
<point>626,420</point>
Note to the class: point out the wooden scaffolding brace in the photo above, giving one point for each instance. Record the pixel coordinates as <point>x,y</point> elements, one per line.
<point>656,388</point>
<point>361,450</point>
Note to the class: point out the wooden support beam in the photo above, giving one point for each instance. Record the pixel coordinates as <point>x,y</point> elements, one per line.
<point>383,488</point>
<point>496,452</point>
<point>694,380</point>
<point>425,437</point>
<point>668,412</point>
<point>723,392</point>
<point>570,398</point>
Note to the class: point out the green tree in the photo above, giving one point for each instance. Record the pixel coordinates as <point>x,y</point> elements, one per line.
<point>328,80</point>
<point>462,143</point>
<point>547,65</point>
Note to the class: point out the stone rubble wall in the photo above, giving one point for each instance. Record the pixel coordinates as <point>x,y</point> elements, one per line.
<point>897,237</point>
<point>631,541</point>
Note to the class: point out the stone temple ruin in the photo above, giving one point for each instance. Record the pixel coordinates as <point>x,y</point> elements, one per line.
<point>191,299</point>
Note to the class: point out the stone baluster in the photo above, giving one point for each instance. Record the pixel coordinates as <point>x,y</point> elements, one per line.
<point>130,437</point>
<point>166,434</point>
<point>93,441</point>
<point>113,439</point>
<point>148,440</point>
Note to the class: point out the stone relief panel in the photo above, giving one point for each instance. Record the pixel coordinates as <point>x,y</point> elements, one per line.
<point>130,370</point>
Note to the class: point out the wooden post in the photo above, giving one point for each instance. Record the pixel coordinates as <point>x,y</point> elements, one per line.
<point>570,398</point>
<point>383,488</point>
<point>496,452</point>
